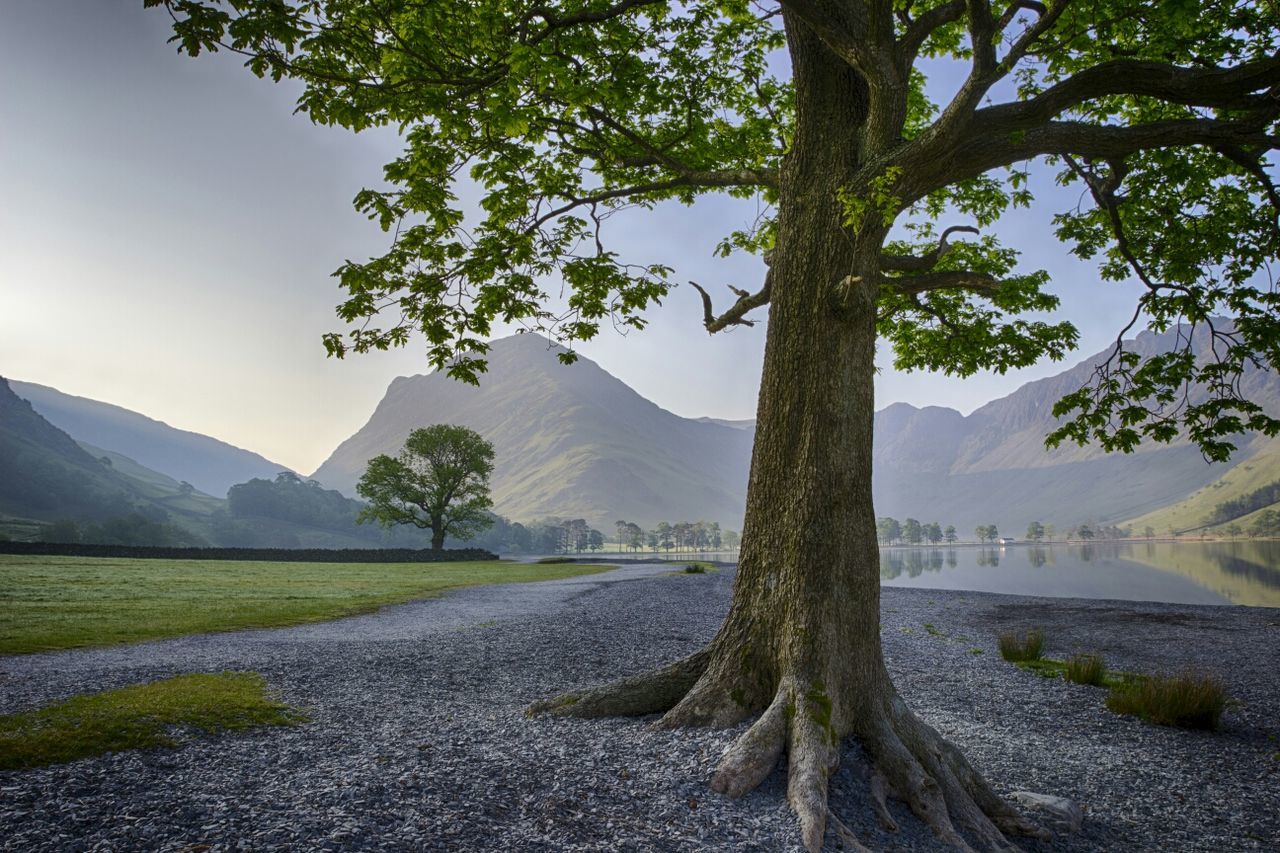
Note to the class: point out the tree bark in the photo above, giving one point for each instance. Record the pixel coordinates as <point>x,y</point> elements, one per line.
<point>800,646</point>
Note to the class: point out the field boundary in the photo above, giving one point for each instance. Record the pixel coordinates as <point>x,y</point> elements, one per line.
<point>274,555</point>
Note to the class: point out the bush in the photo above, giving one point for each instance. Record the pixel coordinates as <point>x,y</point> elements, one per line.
<point>551,561</point>
<point>1029,647</point>
<point>1086,669</point>
<point>1189,700</point>
<point>694,569</point>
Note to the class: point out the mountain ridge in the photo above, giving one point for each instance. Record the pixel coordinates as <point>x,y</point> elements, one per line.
<point>209,464</point>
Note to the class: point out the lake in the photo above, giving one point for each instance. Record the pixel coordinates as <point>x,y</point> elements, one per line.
<point>1180,572</point>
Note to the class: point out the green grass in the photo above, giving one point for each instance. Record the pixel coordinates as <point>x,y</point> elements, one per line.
<point>1050,668</point>
<point>137,717</point>
<point>1086,668</point>
<point>1028,647</point>
<point>72,602</point>
<point>1188,700</point>
<point>1242,478</point>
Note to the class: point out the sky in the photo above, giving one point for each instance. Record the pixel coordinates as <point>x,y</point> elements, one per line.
<point>169,226</point>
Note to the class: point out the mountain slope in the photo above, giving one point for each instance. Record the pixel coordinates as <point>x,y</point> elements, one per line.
<point>212,466</point>
<point>575,441</point>
<point>992,466</point>
<point>571,441</point>
<point>45,475</point>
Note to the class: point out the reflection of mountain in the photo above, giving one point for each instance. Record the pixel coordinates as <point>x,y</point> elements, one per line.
<point>1243,572</point>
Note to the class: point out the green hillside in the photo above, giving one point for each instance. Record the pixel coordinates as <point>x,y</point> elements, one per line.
<point>1190,514</point>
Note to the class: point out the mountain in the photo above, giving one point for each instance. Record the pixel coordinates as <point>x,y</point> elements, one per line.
<point>212,466</point>
<point>571,441</point>
<point>45,475</point>
<point>992,466</point>
<point>577,442</point>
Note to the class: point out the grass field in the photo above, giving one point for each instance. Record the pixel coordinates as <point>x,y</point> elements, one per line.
<point>70,602</point>
<point>137,717</point>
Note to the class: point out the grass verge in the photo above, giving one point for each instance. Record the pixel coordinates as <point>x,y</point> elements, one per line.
<point>137,717</point>
<point>1187,700</point>
<point>49,603</point>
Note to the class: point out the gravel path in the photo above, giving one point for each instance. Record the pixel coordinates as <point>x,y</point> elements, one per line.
<point>417,740</point>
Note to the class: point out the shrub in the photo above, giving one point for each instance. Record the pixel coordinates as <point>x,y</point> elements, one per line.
<point>694,569</point>
<point>551,561</point>
<point>1086,668</point>
<point>1029,647</point>
<point>1188,700</point>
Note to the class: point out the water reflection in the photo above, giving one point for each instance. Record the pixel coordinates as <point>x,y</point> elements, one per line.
<point>1245,572</point>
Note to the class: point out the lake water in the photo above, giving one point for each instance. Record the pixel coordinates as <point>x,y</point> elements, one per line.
<point>1180,572</point>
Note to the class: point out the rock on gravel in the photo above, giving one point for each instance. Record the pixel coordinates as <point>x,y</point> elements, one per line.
<point>418,741</point>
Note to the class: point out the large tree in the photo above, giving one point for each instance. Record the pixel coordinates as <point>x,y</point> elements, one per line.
<point>1163,115</point>
<point>439,482</point>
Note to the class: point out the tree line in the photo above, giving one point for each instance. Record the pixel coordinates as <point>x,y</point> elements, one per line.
<point>1245,504</point>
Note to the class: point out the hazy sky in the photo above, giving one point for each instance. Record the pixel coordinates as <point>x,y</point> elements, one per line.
<point>168,230</point>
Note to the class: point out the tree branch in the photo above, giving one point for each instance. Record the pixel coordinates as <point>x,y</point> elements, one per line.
<point>1236,88</point>
<point>919,30</point>
<point>913,285</point>
<point>848,43</point>
<point>735,315</point>
<point>923,263</point>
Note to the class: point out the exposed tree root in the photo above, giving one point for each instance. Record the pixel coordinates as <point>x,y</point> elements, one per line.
<point>651,692</point>
<point>907,758</point>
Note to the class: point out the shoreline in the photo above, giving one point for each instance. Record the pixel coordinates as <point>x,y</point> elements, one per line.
<point>418,739</point>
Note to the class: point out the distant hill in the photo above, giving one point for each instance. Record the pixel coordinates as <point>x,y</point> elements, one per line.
<point>992,466</point>
<point>571,441</point>
<point>575,441</point>
<point>212,466</point>
<point>45,475</point>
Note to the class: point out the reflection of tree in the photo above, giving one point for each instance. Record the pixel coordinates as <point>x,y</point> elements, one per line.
<point>1086,553</point>
<point>1252,563</point>
<point>988,557</point>
<point>1037,556</point>
<point>951,559</point>
<point>914,562</point>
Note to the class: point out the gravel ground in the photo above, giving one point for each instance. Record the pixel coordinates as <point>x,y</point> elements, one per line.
<point>417,739</point>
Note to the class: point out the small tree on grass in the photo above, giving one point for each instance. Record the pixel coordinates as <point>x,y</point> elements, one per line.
<point>439,482</point>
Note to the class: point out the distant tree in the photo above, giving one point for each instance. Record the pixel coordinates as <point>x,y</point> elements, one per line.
<point>1050,531</point>
<point>716,537</point>
<point>621,527</point>
<point>1234,530</point>
<point>731,539</point>
<point>912,532</point>
<point>1085,532</point>
<point>665,533</point>
<point>62,531</point>
<point>993,533</point>
<point>1035,531</point>
<point>1149,532</point>
<point>440,481</point>
<point>888,530</point>
<point>595,539</point>
<point>950,534</point>
<point>933,532</point>
<point>1266,524</point>
<point>635,536</point>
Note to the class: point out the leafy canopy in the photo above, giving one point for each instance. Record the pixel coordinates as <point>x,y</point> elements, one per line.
<point>439,481</point>
<point>1163,114</point>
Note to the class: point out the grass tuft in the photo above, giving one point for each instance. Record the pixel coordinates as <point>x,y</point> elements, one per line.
<point>695,569</point>
<point>138,717</point>
<point>1188,700</point>
<point>1016,649</point>
<point>1086,668</point>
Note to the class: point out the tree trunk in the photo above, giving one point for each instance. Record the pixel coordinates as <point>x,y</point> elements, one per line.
<point>437,536</point>
<point>800,646</point>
